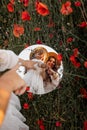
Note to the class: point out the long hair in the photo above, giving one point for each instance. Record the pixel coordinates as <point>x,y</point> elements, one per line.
<point>55,68</point>
<point>56,65</point>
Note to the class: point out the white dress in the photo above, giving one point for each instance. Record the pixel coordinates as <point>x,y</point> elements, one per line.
<point>34,79</point>
<point>50,86</point>
<point>14,120</point>
<point>8,59</point>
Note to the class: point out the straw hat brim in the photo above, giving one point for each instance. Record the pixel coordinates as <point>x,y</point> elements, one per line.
<point>55,55</point>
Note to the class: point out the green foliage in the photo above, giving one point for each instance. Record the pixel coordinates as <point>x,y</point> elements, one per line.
<point>65,104</point>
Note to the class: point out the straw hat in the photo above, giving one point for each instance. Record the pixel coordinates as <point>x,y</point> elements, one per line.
<point>55,55</point>
<point>37,49</point>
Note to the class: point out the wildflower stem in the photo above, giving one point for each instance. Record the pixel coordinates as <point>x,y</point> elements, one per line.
<point>80,76</point>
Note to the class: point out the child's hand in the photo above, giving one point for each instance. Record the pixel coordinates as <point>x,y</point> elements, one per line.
<point>50,71</point>
<point>28,64</point>
<point>11,81</point>
<point>43,65</point>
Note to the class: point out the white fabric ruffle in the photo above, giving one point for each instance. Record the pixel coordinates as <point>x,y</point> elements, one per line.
<point>8,59</point>
<point>14,120</point>
<point>34,79</point>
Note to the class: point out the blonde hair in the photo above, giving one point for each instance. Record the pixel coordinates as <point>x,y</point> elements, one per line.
<point>39,51</point>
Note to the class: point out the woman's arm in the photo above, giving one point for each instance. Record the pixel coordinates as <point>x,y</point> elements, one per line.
<point>8,59</point>
<point>28,64</point>
<point>54,76</point>
<point>9,82</point>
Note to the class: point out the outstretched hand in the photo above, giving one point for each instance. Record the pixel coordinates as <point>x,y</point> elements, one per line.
<point>28,64</point>
<point>13,82</point>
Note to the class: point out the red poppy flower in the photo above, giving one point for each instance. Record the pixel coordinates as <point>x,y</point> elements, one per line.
<point>85,125</point>
<point>25,3</point>
<point>42,9</point>
<point>77,3</point>
<point>27,88</point>
<point>18,30</point>
<point>26,106</point>
<point>75,52</point>
<point>30,95</point>
<point>70,39</point>
<point>25,16</point>
<point>39,42</point>
<point>85,64</point>
<point>72,58</point>
<point>74,61</point>
<point>59,57</point>
<point>66,8</point>
<point>10,7</point>
<point>83,24</point>
<point>77,64</point>
<point>83,92</point>
<point>58,124</point>
<point>42,127</point>
<point>37,29</point>
<point>40,122</point>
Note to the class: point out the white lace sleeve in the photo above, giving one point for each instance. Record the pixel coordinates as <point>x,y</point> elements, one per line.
<point>55,81</point>
<point>8,59</point>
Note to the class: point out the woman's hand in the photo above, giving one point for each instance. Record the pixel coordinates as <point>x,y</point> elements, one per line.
<point>28,64</point>
<point>50,71</point>
<point>11,81</point>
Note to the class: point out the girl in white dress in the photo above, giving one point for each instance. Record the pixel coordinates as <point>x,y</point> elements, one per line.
<point>14,120</point>
<point>34,77</point>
